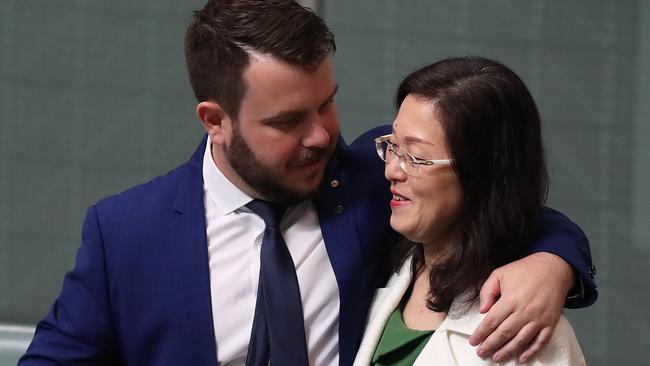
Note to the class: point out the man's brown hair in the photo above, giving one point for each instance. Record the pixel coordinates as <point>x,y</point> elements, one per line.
<point>222,34</point>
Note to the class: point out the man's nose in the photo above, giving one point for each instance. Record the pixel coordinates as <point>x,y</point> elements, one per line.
<point>317,136</point>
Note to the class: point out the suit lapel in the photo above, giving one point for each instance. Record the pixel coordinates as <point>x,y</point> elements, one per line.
<point>192,276</point>
<point>338,226</point>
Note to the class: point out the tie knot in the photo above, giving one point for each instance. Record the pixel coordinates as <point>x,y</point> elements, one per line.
<point>269,212</point>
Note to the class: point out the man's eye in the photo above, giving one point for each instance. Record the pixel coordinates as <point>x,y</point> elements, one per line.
<point>325,106</point>
<point>285,122</point>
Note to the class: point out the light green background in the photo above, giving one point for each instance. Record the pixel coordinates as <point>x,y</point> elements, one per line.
<point>94,99</point>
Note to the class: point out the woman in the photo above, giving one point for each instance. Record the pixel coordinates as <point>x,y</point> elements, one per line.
<point>468,178</point>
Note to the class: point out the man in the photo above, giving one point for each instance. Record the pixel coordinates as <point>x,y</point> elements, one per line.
<point>169,272</point>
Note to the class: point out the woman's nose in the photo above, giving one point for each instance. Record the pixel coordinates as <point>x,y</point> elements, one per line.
<point>392,170</point>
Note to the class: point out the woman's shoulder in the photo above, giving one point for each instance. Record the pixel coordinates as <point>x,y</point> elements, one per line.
<point>464,317</point>
<point>563,347</point>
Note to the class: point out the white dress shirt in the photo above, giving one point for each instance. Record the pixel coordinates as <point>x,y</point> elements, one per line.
<point>234,239</point>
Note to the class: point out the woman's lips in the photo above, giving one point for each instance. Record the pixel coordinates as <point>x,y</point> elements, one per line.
<point>398,200</point>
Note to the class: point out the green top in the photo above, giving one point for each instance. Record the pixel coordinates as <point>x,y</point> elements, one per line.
<point>399,345</point>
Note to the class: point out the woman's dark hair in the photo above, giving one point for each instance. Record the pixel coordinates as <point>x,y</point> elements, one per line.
<point>221,36</point>
<point>492,132</point>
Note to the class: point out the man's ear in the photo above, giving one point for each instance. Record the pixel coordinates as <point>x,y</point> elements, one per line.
<point>215,121</point>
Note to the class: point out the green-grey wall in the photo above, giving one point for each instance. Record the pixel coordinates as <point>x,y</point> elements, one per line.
<point>94,99</point>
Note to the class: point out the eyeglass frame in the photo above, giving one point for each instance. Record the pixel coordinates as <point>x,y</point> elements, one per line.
<point>402,155</point>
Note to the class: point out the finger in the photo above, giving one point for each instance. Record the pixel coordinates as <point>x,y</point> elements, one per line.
<point>538,343</point>
<point>518,344</point>
<point>494,318</point>
<point>490,292</point>
<point>506,330</point>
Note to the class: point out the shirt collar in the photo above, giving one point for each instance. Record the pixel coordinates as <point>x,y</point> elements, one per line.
<point>221,191</point>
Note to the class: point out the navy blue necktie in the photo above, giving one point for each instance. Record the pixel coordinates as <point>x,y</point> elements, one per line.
<point>278,332</point>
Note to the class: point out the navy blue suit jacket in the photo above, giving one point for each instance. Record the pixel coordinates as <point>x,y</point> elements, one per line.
<point>139,293</point>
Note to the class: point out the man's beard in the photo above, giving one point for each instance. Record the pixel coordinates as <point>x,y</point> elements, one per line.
<point>263,179</point>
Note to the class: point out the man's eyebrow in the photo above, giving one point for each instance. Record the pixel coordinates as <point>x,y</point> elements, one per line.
<point>289,114</point>
<point>284,116</point>
<point>336,89</point>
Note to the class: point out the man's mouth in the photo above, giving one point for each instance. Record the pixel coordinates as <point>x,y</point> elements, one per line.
<point>309,158</point>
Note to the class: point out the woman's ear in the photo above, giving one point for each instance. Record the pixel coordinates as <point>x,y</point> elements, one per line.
<point>215,121</point>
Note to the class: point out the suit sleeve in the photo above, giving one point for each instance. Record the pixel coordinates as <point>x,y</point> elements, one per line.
<point>79,330</point>
<point>559,235</point>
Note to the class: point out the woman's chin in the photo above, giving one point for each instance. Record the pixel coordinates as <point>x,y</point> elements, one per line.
<point>403,229</point>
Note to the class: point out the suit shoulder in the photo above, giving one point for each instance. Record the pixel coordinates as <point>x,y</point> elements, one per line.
<point>148,198</point>
<point>360,157</point>
<point>367,138</point>
<point>161,190</point>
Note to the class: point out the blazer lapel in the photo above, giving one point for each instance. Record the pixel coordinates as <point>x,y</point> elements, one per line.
<point>386,301</point>
<point>192,276</point>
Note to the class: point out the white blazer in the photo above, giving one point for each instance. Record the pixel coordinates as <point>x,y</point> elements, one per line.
<point>449,344</point>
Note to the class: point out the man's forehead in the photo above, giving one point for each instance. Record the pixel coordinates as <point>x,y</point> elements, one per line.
<point>269,80</point>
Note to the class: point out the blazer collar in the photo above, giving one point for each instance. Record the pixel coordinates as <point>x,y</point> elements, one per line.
<point>461,319</point>
<point>190,193</point>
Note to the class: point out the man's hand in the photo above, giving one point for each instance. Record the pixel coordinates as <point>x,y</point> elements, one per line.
<point>521,321</point>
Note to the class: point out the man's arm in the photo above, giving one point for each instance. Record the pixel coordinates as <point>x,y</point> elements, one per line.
<point>78,330</point>
<point>525,298</point>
